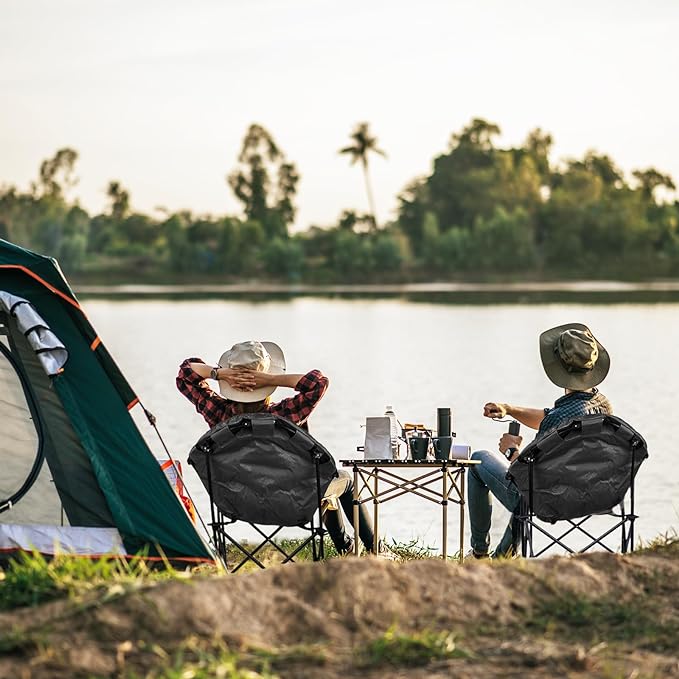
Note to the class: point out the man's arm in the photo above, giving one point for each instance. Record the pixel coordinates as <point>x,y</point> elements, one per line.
<point>191,383</point>
<point>531,417</point>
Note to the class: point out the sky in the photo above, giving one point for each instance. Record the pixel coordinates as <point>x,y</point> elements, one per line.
<point>157,94</point>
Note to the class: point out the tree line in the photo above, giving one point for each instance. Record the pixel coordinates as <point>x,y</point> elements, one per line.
<point>483,212</point>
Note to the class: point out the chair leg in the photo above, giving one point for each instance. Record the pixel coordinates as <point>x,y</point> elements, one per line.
<point>522,525</point>
<point>624,523</point>
<point>222,539</point>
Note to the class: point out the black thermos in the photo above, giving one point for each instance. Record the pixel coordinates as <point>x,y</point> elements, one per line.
<point>514,429</point>
<point>444,423</point>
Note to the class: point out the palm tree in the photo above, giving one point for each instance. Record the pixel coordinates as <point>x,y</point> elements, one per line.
<point>362,144</point>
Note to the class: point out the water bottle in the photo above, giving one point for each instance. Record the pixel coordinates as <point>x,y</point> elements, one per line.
<point>394,431</point>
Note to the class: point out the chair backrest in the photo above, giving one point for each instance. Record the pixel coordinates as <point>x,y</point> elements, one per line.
<point>261,468</point>
<point>583,467</point>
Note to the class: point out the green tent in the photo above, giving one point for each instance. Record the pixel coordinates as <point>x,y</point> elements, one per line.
<point>75,468</point>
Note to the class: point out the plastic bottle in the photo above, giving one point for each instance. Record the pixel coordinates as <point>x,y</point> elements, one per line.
<point>395,431</point>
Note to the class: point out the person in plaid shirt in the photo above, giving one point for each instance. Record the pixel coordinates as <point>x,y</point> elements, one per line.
<point>248,374</point>
<point>573,359</point>
<point>215,408</point>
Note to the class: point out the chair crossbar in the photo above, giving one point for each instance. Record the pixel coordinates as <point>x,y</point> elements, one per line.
<point>221,536</point>
<point>527,522</point>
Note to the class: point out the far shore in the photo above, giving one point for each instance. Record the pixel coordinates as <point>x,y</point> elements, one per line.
<point>666,290</point>
<point>257,287</point>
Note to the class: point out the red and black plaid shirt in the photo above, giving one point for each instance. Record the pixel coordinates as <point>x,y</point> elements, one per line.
<point>215,408</point>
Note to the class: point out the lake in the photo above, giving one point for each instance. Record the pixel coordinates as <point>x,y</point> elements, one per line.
<point>416,356</point>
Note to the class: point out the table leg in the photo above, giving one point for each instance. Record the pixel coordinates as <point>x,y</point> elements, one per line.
<point>444,502</point>
<point>357,546</point>
<point>462,491</point>
<point>376,520</point>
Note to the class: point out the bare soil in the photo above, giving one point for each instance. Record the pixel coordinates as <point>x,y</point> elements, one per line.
<point>598,615</point>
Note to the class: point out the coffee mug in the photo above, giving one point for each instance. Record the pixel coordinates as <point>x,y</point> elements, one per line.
<point>442,446</point>
<point>418,447</point>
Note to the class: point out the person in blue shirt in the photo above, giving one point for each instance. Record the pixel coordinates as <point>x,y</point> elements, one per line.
<point>572,359</point>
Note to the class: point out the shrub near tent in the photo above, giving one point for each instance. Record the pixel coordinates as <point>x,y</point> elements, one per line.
<point>76,470</point>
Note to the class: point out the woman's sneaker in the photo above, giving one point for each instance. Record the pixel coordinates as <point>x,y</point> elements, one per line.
<point>351,546</point>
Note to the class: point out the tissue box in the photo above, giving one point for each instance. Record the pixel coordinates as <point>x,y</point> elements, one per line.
<point>460,451</point>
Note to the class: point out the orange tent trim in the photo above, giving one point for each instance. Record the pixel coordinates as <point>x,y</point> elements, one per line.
<point>51,288</point>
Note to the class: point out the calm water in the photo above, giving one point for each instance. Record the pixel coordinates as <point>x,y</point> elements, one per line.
<point>416,356</point>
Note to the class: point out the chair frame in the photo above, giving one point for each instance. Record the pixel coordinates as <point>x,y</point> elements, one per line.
<point>221,538</point>
<point>525,521</point>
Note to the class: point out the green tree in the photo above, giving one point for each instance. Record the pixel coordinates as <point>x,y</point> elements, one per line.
<point>478,136</point>
<point>462,180</point>
<point>265,182</point>
<point>650,179</point>
<point>537,147</point>
<point>430,239</point>
<point>352,255</point>
<point>283,258</point>
<point>503,242</point>
<point>119,201</point>
<point>362,144</point>
<point>179,250</point>
<point>57,173</point>
<point>73,249</point>
<point>596,165</point>
<point>414,203</point>
<point>387,253</point>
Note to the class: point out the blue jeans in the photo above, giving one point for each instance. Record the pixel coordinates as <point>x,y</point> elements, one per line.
<point>484,479</point>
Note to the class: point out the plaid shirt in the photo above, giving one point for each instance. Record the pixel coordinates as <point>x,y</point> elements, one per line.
<point>570,406</point>
<point>215,408</point>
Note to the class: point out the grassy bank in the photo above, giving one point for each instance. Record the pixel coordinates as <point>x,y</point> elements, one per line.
<point>599,615</point>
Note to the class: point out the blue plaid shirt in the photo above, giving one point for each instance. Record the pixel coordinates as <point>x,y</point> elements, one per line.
<point>570,406</point>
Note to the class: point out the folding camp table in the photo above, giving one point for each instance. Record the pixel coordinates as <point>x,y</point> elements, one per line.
<point>439,481</point>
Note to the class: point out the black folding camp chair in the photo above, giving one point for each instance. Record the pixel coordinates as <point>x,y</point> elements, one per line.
<point>574,475</point>
<point>269,473</point>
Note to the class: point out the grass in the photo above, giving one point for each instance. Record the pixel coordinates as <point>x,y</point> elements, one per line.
<point>270,556</point>
<point>197,659</point>
<point>608,619</point>
<point>412,550</point>
<point>410,650</point>
<point>667,540</point>
<point>31,579</point>
<point>216,663</point>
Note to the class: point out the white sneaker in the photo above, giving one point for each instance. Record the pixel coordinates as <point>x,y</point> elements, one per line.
<point>471,554</point>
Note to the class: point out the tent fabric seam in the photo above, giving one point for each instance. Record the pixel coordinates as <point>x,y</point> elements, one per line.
<point>51,288</point>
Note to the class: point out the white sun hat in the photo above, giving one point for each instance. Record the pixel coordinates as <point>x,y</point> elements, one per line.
<point>264,357</point>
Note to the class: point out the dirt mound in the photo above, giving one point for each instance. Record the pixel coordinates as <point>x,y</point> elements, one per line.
<point>583,616</point>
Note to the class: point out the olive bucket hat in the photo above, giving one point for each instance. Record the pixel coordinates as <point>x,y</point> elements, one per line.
<point>261,356</point>
<point>573,358</point>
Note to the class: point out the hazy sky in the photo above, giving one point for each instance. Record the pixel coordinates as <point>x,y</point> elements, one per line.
<point>158,93</point>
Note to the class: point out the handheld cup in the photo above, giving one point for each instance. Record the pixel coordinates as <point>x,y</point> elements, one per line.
<point>514,429</point>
